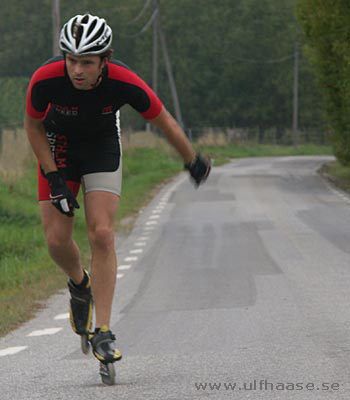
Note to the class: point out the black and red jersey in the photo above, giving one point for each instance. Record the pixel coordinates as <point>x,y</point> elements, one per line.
<point>81,113</point>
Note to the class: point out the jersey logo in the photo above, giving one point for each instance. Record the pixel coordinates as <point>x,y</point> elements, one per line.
<point>107,110</point>
<point>65,110</point>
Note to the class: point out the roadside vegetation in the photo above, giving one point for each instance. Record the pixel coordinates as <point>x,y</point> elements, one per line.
<point>28,276</point>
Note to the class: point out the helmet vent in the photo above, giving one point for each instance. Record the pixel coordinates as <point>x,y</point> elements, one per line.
<point>99,33</point>
<point>85,19</point>
<point>78,31</point>
<point>91,28</point>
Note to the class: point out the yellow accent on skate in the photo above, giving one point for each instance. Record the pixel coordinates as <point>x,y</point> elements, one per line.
<point>89,321</point>
<point>117,354</point>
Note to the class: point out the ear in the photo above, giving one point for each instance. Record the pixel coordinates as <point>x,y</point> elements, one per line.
<point>103,62</point>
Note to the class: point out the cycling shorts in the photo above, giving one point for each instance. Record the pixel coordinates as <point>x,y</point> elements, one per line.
<point>96,167</point>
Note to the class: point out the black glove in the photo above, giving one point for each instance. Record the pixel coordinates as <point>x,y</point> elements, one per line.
<point>199,169</point>
<point>61,196</point>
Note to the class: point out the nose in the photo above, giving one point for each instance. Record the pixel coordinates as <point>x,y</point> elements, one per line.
<point>78,70</point>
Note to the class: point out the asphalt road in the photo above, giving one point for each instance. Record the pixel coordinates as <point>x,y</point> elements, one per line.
<point>240,289</point>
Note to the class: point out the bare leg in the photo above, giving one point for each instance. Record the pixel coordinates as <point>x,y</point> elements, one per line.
<point>101,208</point>
<point>63,250</point>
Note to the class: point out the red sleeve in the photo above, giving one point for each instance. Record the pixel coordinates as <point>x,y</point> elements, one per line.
<point>136,91</point>
<point>38,96</point>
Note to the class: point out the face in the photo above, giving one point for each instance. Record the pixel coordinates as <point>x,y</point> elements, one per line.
<point>84,71</point>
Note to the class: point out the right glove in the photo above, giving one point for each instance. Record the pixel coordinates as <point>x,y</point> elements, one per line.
<point>61,196</point>
<point>199,169</point>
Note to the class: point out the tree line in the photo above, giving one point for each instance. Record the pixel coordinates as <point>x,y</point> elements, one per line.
<point>327,32</point>
<point>232,60</point>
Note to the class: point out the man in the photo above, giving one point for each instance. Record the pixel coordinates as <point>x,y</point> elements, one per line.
<point>72,122</point>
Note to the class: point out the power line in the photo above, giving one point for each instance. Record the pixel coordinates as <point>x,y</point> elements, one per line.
<point>145,27</point>
<point>146,5</point>
<point>271,61</point>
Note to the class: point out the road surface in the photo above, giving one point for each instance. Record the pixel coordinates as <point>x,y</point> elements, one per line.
<point>240,289</point>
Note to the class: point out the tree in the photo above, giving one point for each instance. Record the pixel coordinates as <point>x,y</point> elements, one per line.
<point>327,32</point>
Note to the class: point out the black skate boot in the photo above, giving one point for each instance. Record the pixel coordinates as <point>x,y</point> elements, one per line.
<point>104,350</point>
<point>81,305</point>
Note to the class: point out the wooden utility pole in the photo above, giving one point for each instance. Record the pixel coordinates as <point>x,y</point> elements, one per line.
<point>295,95</point>
<point>55,27</point>
<point>155,49</point>
<point>170,74</point>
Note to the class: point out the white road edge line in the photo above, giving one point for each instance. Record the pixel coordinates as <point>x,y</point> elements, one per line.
<point>136,251</point>
<point>43,332</point>
<point>62,316</point>
<point>12,350</point>
<point>124,267</point>
<point>130,259</point>
<point>142,238</point>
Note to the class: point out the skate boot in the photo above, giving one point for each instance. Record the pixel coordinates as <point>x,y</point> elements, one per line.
<point>103,348</point>
<point>81,305</point>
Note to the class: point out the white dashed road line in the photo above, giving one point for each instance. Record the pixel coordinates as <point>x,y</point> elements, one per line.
<point>43,332</point>
<point>62,316</point>
<point>12,350</point>
<point>123,267</point>
<point>130,259</point>
<point>136,251</point>
<point>148,223</point>
<point>141,238</point>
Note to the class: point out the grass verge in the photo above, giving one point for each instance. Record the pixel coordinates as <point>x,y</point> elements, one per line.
<point>337,174</point>
<point>222,154</point>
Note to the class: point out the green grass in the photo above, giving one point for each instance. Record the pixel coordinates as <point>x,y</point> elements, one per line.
<point>27,274</point>
<point>222,154</point>
<point>338,174</point>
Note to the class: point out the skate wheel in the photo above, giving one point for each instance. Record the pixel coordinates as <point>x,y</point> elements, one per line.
<point>85,344</point>
<point>107,373</point>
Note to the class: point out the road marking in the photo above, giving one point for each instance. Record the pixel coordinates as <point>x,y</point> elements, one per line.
<point>43,332</point>
<point>151,223</point>
<point>148,228</point>
<point>140,244</point>
<point>157,211</point>
<point>124,267</point>
<point>337,192</point>
<point>136,251</point>
<point>62,316</point>
<point>119,276</point>
<point>154,217</point>
<point>12,350</point>
<point>141,238</point>
<point>130,259</point>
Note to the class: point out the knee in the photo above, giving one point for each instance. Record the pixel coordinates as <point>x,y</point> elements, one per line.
<point>57,240</point>
<point>101,237</point>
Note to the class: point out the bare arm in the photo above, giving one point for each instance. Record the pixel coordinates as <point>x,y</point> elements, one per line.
<point>175,135</point>
<point>40,145</point>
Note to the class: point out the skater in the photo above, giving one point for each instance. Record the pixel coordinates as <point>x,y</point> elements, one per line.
<point>72,123</point>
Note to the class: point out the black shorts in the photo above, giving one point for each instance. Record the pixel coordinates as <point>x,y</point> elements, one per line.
<point>94,163</point>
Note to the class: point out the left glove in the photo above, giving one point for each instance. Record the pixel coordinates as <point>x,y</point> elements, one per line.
<point>61,196</point>
<point>199,169</point>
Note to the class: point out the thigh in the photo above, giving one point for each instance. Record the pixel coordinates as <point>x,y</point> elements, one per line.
<point>100,209</point>
<point>57,226</point>
<point>104,181</point>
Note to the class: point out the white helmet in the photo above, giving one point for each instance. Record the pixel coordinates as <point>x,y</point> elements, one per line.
<point>85,35</point>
